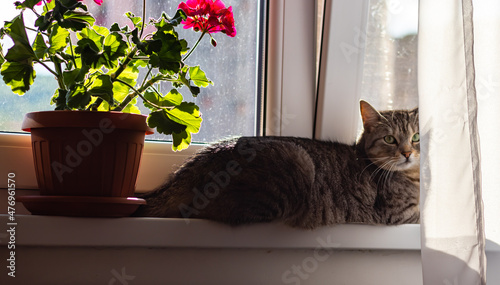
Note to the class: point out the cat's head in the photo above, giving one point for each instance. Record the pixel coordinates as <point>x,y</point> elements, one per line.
<point>391,139</point>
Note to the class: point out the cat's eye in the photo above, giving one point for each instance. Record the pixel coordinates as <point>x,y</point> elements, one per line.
<point>416,137</point>
<point>390,139</point>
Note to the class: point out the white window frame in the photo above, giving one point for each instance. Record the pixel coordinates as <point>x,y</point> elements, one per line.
<point>341,70</point>
<point>291,71</point>
<point>290,100</point>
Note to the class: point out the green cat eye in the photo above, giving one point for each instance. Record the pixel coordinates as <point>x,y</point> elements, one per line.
<point>416,137</point>
<point>390,139</point>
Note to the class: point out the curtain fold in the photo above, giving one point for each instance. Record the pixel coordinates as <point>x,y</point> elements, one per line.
<point>452,220</point>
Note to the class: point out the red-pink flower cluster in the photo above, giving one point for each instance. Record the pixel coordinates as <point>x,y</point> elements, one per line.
<point>98,2</point>
<point>210,16</point>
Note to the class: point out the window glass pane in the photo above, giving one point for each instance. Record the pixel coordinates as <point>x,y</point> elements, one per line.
<point>228,108</point>
<point>12,106</point>
<point>389,78</point>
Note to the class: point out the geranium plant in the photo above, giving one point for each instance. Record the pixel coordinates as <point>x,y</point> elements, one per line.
<point>99,69</point>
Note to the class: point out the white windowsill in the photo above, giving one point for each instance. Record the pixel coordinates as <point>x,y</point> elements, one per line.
<point>161,232</point>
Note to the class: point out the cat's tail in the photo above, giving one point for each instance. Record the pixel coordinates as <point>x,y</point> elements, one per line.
<point>145,210</point>
<point>161,202</point>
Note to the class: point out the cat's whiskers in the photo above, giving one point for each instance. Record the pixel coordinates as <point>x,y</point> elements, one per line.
<point>381,167</point>
<point>387,169</point>
<point>389,172</point>
<point>373,161</point>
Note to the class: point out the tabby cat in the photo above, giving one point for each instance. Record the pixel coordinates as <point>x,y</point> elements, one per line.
<point>301,182</point>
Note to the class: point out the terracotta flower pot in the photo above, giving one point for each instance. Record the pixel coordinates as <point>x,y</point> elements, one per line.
<point>84,153</point>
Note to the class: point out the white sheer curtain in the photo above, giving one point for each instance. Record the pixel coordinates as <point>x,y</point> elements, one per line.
<point>459,68</point>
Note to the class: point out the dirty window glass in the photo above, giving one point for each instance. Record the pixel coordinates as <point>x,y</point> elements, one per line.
<point>389,79</point>
<point>229,108</point>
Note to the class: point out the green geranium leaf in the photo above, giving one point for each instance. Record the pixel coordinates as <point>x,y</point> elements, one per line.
<point>181,140</point>
<point>168,58</point>
<point>194,90</point>
<point>22,49</point>
<point>135,20</point>
<point>20,52</point>
<point>101,30</point>
<point>65,13</point>
<point>164,25</point>
<point>114,48</point>
<point>120,90</point>
<point>151,46</point>
<point>76,20</point>
<point>16,30</point>
<point>199,77</point>
<point>94,35</point>
<point>89,51</point>
<point>139,63</point>
<point>163,123</point>
<point>102,87</point>
<point>75,76</point>
<point>18,75</point>
<point>43,22</point>
<point>152,97</point>
<point>178,17</point>
<point>59,99</point>
<point>70,77</point>
<point>78,98</point>
<point>27,4</point>
<point>48,6</point>
<point>115,28</point>
<point>173,98</point>
<point>184,45</point>
<point>182,80</point>
<point>39,46</point>
<point>58,40</point>
<point>187,114</point>
<point>132,108</point>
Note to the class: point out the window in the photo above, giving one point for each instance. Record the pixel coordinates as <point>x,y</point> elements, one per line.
<point>229,107</point>
<point>369,52</point>
<point>389,78</point>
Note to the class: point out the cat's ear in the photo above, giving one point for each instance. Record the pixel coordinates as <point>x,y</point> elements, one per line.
<point>369,115</point>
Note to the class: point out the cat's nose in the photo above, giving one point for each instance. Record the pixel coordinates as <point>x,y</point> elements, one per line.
<point>406,154</point>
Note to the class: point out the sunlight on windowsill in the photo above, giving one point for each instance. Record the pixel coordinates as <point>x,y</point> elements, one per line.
<point>192,233</point>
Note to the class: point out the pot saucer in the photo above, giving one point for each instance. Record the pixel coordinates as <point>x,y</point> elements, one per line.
<point>81,206</point>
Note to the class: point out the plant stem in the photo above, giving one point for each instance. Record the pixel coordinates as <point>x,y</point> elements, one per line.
<point>124,64</point>
<point>46,7</point>
<point>35,30</point>
<point>136,92</point>
<point>72,54</point>
<point>146,77</point>
<point>59,74</point>
<point>96,104</point>
<point>47,67</point>
<point>194,47</point>
<point>143,16</point>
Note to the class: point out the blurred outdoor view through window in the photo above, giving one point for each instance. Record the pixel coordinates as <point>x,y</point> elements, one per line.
<point>228,108</point>
<point>389,78</point>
